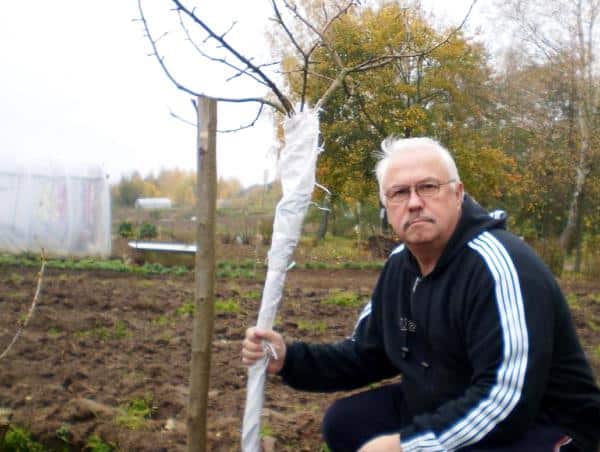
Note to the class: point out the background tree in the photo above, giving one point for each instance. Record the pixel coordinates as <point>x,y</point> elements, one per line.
<point>562,36</point>
<point>444,92</point>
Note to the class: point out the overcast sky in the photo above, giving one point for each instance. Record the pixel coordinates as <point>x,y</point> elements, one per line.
<point>77,85</point>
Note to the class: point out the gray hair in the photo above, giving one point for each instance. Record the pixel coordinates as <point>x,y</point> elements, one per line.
<point>393,145</point>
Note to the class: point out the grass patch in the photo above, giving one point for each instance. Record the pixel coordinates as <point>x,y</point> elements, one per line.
<point>317,326</point>
<point>573,301</point>
<point>116,265</point>
<point>266,431</point>
<point>97,444</point>
<point>135,413</point>
<point>104,333</point>
<point>17,439</point>
<point>64,433</point>
<point>163,320</point>
<point>53,332</point>
<point>229,306</point>
<point>253,295</point>
<point>343,299</point>
<point>186,309</point>
<point>15,279</point>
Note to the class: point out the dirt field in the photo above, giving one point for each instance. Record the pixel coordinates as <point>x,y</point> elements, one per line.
<point>102,340</point>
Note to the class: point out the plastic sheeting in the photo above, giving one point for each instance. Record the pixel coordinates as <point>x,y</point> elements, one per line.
<point>63,210</point>
<point>297,169</point>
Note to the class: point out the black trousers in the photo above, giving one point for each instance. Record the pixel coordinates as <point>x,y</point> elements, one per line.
<point>352,421</point>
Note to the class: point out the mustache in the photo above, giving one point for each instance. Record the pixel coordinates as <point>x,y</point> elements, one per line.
<point>419,218</point>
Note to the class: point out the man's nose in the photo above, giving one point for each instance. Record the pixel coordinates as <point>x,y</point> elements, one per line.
<point>414,200</point>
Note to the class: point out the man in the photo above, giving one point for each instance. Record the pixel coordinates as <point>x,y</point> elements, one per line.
<point>468,315</point>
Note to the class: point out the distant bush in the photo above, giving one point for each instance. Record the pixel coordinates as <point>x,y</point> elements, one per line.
<point>147,231</point>
<point>125,230</point>
<point>551,253</point>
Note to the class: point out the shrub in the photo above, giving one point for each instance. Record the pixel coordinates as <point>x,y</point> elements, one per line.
<point>125,230</point>
<point>147,231</point>
<point>551,253</point>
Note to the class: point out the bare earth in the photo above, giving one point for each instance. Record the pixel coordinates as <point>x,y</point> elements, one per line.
<point>101,339</point>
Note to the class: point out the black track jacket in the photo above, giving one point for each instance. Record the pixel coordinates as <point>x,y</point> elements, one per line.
<point>484,343</point>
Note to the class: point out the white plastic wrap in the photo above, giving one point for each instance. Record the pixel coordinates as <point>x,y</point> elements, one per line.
<point>297,169</point>
<point>65,211</point>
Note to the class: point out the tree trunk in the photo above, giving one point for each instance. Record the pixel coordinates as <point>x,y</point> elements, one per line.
<point>323,225</point>
<point>206,196</point>
<point>582,172</point>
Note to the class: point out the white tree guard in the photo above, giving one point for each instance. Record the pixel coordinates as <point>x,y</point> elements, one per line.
<point>297,169</point>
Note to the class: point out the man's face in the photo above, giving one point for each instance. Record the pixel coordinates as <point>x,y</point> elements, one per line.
<point>422,221</point>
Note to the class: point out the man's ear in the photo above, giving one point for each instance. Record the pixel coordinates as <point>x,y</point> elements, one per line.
<point>460,192</point>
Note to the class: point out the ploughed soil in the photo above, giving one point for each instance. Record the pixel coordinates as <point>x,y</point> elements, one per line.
<point>100,340</point>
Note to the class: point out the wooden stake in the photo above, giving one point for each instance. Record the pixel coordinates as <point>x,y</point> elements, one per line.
<point>206,194</point>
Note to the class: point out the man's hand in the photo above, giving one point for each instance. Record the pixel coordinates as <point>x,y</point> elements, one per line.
<point>258,342</point>
<point>383,443</point>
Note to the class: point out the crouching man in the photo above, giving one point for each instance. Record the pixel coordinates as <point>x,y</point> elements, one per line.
<point>471,319</point>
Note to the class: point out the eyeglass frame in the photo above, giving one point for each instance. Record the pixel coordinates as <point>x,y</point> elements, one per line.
<point>415,188</point>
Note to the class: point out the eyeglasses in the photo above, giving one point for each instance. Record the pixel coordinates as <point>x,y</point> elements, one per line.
<point>427,189</point>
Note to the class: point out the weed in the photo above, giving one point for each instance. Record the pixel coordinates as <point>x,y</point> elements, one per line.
<point>120,330</point>
<point>17,439</point>
<point>318,326</point>
<point>53,332</point>
<point>343,299</point>
<point>96,444</point>
<point>324,448</point>
<point>186,309</point>
<point>265,431</point>
<point>64,433</point>
<point>597,352</point>
<point>252,295</point>
<point>163,320</point>
<point>135,413</point>
<point>573,301</point>
<point>15,279</point>
<point>595,297</point>
<point>227,306</point>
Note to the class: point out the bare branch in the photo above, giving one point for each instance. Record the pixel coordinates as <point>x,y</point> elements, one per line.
<point>285,103</point>
<point>223,61</point>
<point>185,121</point>
<point>31,308</point>
<point>287,31</point>
<point>247,126</point>
<point>185,89</point>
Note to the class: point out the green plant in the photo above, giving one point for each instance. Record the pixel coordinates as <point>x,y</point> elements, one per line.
<point>266,431</point>
<point>318,326</point>
<point>125,230</point>
<point>163,320</point>
<point>573,301</point>
<point>186,309</point>
<point>135,412</point>
<point>147,231</point>
<point>15,279</point>
<point>324,448</point>
<point>343,299</point>
<point>64,433</point>
<point>53,332</point>
<point>96,444</point>
<point>17,439</point>
<point>253,294</point>
<point>120,330</point>
<point>230,306</point>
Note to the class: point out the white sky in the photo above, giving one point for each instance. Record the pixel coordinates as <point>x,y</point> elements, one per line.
<point>77,84</point>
